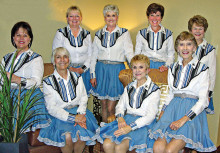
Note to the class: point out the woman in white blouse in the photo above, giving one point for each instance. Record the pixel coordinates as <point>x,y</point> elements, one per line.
<point>155,41</point>
<point>111,47</point>
<point>73,126</point>
<point>135,112</point>
<point>198,25</point>
<point>78,42</point>
<point>28,70</point>
<point>183,121</point>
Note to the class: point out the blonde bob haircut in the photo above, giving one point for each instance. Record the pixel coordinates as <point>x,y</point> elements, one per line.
<point>185,35</point>
<point>109,8</point>
<point>140,58</point>
<point>73,8</point>
<point>62,50</point>
<point>199,21</point>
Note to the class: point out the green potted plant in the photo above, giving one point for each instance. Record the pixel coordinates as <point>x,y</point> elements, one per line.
<point>15,112</point>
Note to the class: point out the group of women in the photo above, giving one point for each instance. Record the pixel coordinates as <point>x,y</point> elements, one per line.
<point>83,67</point>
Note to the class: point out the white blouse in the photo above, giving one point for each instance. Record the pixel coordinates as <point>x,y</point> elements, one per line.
<point>114,46</point>
<point>157,46</point>
<point>80,48</point>
<point>192,79</point>
<point>65,96</point>
<point>28,65</point>
<point>142,101</point>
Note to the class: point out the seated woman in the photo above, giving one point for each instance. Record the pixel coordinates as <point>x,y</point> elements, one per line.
<point>140,101</point>
<point>183,121</point>
<point>155,41</point>
<point>73,126</point>
<point>28,71</point>
<point>198,25</point>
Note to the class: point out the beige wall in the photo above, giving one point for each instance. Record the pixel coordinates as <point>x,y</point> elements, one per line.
<point>46,16</point>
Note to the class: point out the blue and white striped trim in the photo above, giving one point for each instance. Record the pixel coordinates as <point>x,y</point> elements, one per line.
<point>119,115</point>
<point>164,107</point>
<point>191,114</point>
<point>71,118</point>
<point>133,126</point>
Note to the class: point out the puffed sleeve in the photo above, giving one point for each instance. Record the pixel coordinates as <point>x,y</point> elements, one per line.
<point>170,51</point>
<point>94,58</point>
<point>37,70</point>
<point>202,103</point>
<point>88,42</point>
<point>212,69</point>
<point>58,40</point>
<point>128,47</point>
<point>50,100</point>
<point>139,44</point>
<point>83,98</point>
<point>150,104</point>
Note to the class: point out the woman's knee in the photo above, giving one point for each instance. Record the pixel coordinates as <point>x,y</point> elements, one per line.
<point>159,146</point>
<point>69,139</point>
<point>108,145</point>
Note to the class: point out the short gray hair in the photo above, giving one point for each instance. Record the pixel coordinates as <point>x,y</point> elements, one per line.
<point>59,49</point>
<point>109,8</point>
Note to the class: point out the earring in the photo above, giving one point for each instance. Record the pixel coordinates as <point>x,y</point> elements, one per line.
<point>29,45</point>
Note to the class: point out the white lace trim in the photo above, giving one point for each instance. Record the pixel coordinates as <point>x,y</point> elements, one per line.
<point>105,97</point>
<point>197,145</point>
<point>39,126</point>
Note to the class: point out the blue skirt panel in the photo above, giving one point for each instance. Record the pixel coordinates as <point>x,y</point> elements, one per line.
<point>108,84</point>
<point>55,134</point>
<point>86,80</point>
<point>138,139</point>
<point>43,119</point>
<point>156,65</point>
<point>210,108</point>
<point>195,133</point>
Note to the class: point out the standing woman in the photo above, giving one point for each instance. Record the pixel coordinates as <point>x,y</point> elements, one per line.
<point>73,126</point>
<point>28,69</point>
<point>78,42</point>
<point>155,41</point>
<point>111,46</point>
<point>183,121</point>
<point>198,25</point>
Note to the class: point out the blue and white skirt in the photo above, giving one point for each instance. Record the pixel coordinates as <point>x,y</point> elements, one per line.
<point>108,84</point>
<point>42,120</point>
<point>156,64</point>
<point>210,108</point>
<point>86,80</point>
<point>138,139</point>
<point>55,134</point>
<point>194,133</point>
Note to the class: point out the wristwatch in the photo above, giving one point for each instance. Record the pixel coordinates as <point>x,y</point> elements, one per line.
<point>23,82</point>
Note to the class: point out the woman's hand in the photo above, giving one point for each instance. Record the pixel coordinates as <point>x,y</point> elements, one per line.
<point>122,131</point>
<point>14,78</point>
<point>81,120</point>
<point>121,123</point>
<point>161,114</point>
<point>93,82</point>
<point>77,70</point>
<point>179,123</point>
<point>163,68</point>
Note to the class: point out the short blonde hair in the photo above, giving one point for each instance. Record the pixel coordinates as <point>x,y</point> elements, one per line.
<point>140,58</point>
<point>60,49</point>
<point>73,8</point>
<point>185,35</point>
<point>109,8</point>
<point>199,21</point>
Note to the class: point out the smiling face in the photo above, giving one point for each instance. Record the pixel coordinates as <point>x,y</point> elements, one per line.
<point>186,48</point>
<point>155,19</point>
<point>22,39</point>
<point>139,70</point>
<point>74,18</point>
<point>61,60</point>
<point>111,19</point>
<point>198,32</point>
